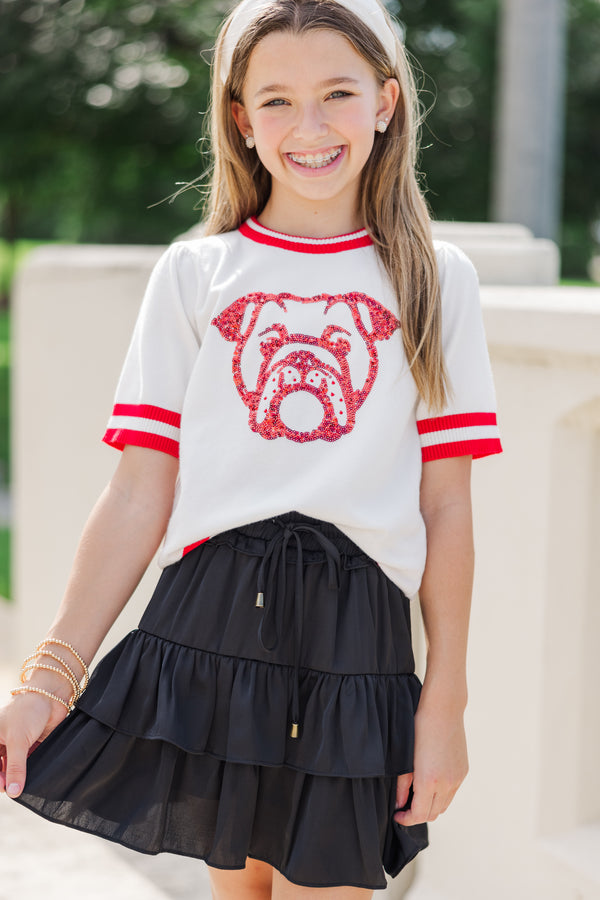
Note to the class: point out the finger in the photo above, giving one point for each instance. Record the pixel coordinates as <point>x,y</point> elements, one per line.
<point>403,785</point>
<point>441,803</point>
<point>420,808</point>
<point>16,762</point>
<point>2,767</point>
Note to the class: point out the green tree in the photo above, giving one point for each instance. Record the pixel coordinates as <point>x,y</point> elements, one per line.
<point>581,189</point>
<point>453,45</point>
<point>101,102</point>
<point>456,43</point>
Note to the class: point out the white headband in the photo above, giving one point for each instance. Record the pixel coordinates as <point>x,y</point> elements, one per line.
<point>368,11</point>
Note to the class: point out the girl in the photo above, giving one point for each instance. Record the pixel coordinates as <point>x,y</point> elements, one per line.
<point>305,388</point>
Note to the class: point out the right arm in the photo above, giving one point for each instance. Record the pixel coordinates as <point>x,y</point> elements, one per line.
<point>120,538</point>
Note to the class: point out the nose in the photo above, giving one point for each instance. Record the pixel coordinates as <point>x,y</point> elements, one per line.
<point>310,123</point>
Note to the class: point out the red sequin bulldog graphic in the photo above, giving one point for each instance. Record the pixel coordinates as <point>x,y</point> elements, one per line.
<point>304,365</point>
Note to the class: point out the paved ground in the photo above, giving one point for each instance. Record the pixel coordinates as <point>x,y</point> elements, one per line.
<point>40,859</point>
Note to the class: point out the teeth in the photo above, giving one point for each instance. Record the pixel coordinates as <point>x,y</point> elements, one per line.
<point>315,161</point>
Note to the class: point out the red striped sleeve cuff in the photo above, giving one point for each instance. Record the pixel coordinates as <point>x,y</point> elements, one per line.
<point>465,434</point>
<point>142,425</point>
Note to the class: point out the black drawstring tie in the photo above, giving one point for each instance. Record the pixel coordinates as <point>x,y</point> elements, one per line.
<point>271,627</point>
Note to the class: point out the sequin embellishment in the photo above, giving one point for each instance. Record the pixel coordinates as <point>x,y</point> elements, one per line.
<point>304,365</point>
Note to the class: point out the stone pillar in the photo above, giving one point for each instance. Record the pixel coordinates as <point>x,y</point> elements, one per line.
<point>530,118</point>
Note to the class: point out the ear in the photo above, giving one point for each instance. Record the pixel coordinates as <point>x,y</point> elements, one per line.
<point>241,118</point>
<point>233,321</point>
<point>388,98</point>
<point>378,322</point>
<point>229,322</point>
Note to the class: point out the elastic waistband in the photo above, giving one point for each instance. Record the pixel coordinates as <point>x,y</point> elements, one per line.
<point>254,537</point>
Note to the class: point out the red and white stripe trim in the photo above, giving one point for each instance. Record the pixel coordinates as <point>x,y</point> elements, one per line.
<point>143,425</point>
<point>252,229</point>
<point>464,434</point>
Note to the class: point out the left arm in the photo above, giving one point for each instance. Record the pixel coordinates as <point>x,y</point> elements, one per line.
<point>440,760</point>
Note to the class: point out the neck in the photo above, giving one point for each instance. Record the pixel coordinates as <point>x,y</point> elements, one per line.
<point>303,218</point>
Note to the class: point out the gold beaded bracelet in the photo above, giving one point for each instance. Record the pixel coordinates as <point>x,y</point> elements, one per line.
<point>68,670</point>
<point>86,672</point>
<point>33,662</point>
<point>31,689</point>
<point>34,666</point>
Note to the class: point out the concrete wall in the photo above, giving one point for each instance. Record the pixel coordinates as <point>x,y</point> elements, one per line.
<point>74,310</point>
<point>526,824</point>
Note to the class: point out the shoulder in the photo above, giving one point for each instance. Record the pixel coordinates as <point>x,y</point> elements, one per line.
<point>204,248</point>
<point>459,283</point>
<point>459,288</point>
<point>193,261</point>
<point>453,264</point>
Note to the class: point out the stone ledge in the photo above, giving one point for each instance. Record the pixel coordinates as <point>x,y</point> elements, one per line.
<point>82,256</point>
<point>558,321</point>
<point>504,254</point>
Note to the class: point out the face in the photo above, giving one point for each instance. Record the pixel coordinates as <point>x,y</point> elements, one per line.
<point>311,103</point>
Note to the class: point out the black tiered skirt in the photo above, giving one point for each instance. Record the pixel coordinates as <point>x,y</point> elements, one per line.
<point>183,740</point>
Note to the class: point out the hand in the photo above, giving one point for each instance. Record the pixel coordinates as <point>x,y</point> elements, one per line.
<point>440,765</point>
<point>24,722</point>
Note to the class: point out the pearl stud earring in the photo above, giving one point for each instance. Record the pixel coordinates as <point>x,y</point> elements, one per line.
<point>250,143</point>
<point>381,126</point>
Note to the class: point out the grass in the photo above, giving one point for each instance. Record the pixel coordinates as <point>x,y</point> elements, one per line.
<point>11,255</point>
<point>5,590</point>
<point>578,282</point>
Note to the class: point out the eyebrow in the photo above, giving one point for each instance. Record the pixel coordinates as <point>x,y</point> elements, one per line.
<point>282,88</point>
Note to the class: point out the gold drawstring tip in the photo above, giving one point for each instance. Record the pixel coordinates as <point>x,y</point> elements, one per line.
<point>295,730</point>
<point>260,600</point>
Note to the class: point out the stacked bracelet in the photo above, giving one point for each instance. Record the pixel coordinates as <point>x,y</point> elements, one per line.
<point>65,669</point>
<point>86,674</point>
<point>70,678</point>
<point>30,664</point>
<point>31,689</point>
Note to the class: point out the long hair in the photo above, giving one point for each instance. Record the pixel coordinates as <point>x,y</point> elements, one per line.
<point>392,206</point>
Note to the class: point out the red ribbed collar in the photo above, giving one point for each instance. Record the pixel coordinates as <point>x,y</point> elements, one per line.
<point>252,229</point>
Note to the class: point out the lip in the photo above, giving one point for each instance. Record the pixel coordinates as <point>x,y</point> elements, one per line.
<point>323,170</point>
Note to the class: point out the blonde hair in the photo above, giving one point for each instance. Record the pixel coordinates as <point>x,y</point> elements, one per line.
<point>393,209</point>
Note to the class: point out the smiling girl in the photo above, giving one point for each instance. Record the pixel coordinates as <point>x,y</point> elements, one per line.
<point>306,386</point>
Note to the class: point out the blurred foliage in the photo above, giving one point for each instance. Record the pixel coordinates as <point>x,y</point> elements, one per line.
<point>101,104</point>
<point>5,588</point>
<point>581,195</point>
<point>456,44</point>
<point>11,257</point>
<point>4,399</point>
<point>453,46</point>
<point>102,100</point>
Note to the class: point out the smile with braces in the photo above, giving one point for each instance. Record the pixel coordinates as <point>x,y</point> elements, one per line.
<point>317,160</point>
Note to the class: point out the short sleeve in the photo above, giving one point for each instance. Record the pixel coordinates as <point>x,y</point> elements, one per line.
<point>159,361</point>
<point>467,426</point>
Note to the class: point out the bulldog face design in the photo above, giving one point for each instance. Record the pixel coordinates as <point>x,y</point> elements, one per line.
<point>304,365</point>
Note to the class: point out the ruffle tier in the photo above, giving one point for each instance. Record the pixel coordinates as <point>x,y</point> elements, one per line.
<point>152,797</point>
<point>181,742</point>
<point>238,709</point>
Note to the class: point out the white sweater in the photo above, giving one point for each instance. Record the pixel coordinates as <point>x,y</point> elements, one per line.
<point>273,367</point>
